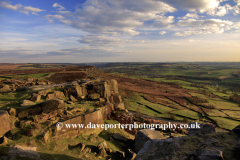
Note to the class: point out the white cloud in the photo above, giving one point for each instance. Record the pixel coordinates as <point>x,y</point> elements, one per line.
<point>119,16</point>
<point>33,10</point>
<point>20,8</point>
<point>194,5</point>
<point>223,10</point>
<point>211,7</point>
<point>207,26</point>
<point>162,32</point>
<point>190,16</point>
<point>9,6</point>
<point>59,17</point>
<point>60,7</point>
<point>102,40</point>
<point>237,1</point>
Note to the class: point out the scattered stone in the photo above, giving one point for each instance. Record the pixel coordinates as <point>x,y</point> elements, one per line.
<point>41,83</point>
<point>103,149</point>
<point>86,150</point>
<point>5,122</point>
<point>73,99</point>
<point>78,110</point>
<point>119,106</point>
<point>20,151</point>
<point>27,103</point>
<point>81,146</point>
<point>5,88</point>
<point>46,137</point>
<point>55,94</point>
<point>144,135</point>
<point>44,92</point>
<point>120,154</point>
<point>12,111</point>
<point>208,154</point>
<point>35,97</point>
<point>68,113</point>
<point>44,107</point>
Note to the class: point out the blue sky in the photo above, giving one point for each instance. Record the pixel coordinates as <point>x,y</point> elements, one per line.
<point>119,31</point>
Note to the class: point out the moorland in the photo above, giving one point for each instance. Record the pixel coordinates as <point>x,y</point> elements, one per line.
<point>206,92</point>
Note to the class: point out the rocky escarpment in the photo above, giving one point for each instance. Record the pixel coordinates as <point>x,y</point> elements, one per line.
<point>104,94</point>
<point>200,145</point>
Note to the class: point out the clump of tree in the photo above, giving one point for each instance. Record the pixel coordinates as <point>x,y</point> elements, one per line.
<point>235,98</point>
<point>16,77</point>
<point>186,120</point>
<point>172,116</point>
<point>197,85</point>
<point>208,106</point>
<point>138,112</point>
<point>196,100</point>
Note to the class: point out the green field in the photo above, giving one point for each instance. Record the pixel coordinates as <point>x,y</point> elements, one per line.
<point>225,123</point>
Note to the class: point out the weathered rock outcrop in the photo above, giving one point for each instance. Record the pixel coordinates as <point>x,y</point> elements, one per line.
<point>24,152</point>
<point>5,88</point>
<point>144,135</point>
<point>76,90</point>
<point>124,117</point>
<point>27,103</point>
<point>119,106</point>
<point>55,94</point>
<point>159,149</point>
<point>73,99</point>
<point>204,129</point>
<point>35,97</point>
<point>5,122</point>
<point>92,121</point>
<point>44,107</point>
<point>44,92</point>
<point>236,130</point>
<point>208,154</point>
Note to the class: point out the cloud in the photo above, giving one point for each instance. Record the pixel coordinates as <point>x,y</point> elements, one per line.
<point>20,8</point>
<point>194,5</point>
<point>28,9</point>
<point>60,7</point>
<point>207,26</point>
<point>237,1</point>
<point>211,7</point>
<point>162,32</point>
<point>190,16</point>
<point>58,17</point>
<point>9,6</point>
<point>119,16</point>
<point>223,10</point>
<point>102,40</point>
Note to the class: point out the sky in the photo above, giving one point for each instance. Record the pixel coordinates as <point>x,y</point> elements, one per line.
<point>83,31</point>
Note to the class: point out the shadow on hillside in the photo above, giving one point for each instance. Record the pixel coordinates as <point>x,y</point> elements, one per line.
<point>57,157</point>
